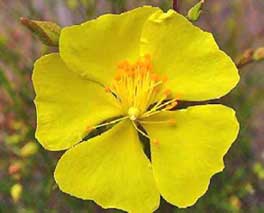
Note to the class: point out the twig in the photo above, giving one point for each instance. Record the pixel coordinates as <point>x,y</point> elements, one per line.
<point>249,56</point>
<point>246,58</point>
<point>176,5</point>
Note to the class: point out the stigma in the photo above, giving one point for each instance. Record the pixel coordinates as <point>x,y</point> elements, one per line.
<point>139,91</point>
<point>133,113</point>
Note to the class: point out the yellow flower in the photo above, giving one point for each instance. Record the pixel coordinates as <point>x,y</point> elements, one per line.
<point>131,70</point>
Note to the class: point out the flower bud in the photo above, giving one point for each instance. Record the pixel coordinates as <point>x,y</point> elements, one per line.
<point>14,168</point>
<point>16,191</point>
<point>13,139</point>
<point>195,12</point>
<point>235,202</point>
<point>259,54</point>
<point>29,149</point>
<point>48,32</point>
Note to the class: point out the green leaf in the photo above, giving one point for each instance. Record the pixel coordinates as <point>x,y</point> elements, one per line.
<point>195,12</point>
<point>48,32</point>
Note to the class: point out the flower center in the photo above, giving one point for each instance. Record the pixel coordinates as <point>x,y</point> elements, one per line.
<point>140,93</point>
<point>139,90</point>
<point>133,113</point>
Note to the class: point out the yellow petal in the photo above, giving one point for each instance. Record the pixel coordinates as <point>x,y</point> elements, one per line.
<point>66,104</point>
<point>196,68</point>
<point>110,169</point>
<point>95,48</point>
<point>187,154</point>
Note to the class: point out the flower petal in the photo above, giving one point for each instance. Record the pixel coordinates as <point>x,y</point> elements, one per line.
<point>186,155</point>
<point>110,169</point>
<point>95,48</point>
<point>197,70</point>
<point>67,104</point>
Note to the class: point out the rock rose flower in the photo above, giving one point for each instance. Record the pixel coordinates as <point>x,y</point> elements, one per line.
<point>130,71</point>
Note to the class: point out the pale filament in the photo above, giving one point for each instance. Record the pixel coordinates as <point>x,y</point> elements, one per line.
<point>108,123</point>
<point>160,108</point>
<point>169,121</point>
<point>140,131</point>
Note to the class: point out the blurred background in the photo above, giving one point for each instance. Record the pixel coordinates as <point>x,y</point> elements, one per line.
<point>26,169</point>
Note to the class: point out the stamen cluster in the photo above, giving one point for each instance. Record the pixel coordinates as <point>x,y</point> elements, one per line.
<point>139,90</point>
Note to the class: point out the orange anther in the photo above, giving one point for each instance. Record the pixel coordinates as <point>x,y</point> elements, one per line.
<point>118,77</point>
<point>107,89</point>
<point>133,67</point>
<point>120,74</point>
<point>155,141</point>
<point>174,104</point>
<point>89,128</point>
<point>141,64</point>
<point>172,121</point>
<point>171,106</point>
<point>142,73</point>
<point>164,79</point>
<point>131,73</point>
<point>148,65</point>
<point>167,92</point>
<point>147,57</point>
<point>177,96</point>
<point>156,90</point>
<point>14,168</point>
<point>123,64</point>
<point>155,77</point>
